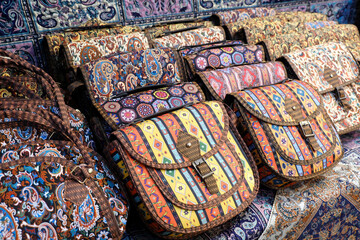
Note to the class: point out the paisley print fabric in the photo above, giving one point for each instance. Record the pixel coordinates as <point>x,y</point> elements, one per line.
<point>84,51</point>
<point>310,64</point>
<point>191,38</point>
<point>248,225</point>
<point>223,57</point>
<point>225,17</point>
<point>354,48</point>
<point>187,207</point>
<point>259,32</point>
<point>228,80</point>
<point>184,51</point>
<point>108,77</point>
<point>124,110</point>
<point>33,202</point>
<point>54,41</point>
<point>284,150</point>
<point>159,31</point>
<point>346,32</point>
<point>286,43</point>
<point>319,24</point>
<point>326,208</point>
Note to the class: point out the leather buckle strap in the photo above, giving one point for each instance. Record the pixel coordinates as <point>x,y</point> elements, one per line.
<point>79,175</point>
<point>340,93</point>
<point>196,164</point>
<point>306,129</point>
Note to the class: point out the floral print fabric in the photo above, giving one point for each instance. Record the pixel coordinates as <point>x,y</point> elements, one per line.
<point>114,75</point>
<point>311,69</point>
<point>243,14</point>
<point>191,38</point>
<point>84,51</point>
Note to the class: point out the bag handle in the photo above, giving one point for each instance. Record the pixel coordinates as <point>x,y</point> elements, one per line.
<point>165,33</point>
<point>225,45</point>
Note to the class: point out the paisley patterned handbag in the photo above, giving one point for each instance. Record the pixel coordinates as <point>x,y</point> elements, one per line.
<point>332,70</point>
<point>52,189</point>
<point>75,53</point>
<point>190,38</point>
<point>238,15</point>
<point>354,48</point>
<point>288,132</point>
<point>187,170</point>
<point>53,42</point>
<point>228,55</point>
<point>131,86</point>
<point>286,43</point>
<point>175,26</point>
<point>220,82</point>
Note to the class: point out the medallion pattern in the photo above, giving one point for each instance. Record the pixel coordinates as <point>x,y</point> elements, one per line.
<point>112,76</point>
<point>176,195</point>
<point>84,51</point>
<point>56,15</point>
<point>318,209</point>
<point>281,145</point>
<point>225,57</point>
<point>229,80</point>
<point>190,38</point>
<point>310,65</point>
<point>127,109</point>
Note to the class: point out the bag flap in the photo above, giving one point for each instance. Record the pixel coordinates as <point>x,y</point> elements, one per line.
<point>229,80</point>
<point>123,110</point>
<point>222,57</point>
<point>84,51</point>
<point>146,141</point>
<point>325,66</point>
<point>166,143</point>
<point>191,38</point>
<point>114,75</point>
<point>282,104</point>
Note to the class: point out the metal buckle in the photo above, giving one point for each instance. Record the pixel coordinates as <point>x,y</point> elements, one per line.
<point>77,178</point>
<point>340,95</point>
<point>196,163</point>
<point>304,124</point>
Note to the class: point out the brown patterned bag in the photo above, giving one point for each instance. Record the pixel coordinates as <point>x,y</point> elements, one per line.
<point>52,42</point>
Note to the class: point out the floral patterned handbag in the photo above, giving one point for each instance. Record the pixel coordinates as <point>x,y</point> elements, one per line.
<point>217,83</point>
<point>288,132</point>
<point>75,53</point>
<point>52,42</point>
<point>332,70</point>
<point>52,189</point>
<point>190,38</point>
<point>238,15</point>
<point>187,170</point>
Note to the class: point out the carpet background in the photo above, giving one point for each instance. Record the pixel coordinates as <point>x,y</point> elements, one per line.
<point>23,23</point>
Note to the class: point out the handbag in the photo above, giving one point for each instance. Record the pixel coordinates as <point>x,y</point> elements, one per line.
<point>286,43</point>
<point>332,70</point>
<point>75,53</point>
<point>227,55</point>
<point>190,38</point>
<point>52,42</point>
<point>238,15</point>
<point>58,188</point>
<point>175,26</point>
<point>287,131</point>
<point>188,170</point>
<point>217,83</point>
